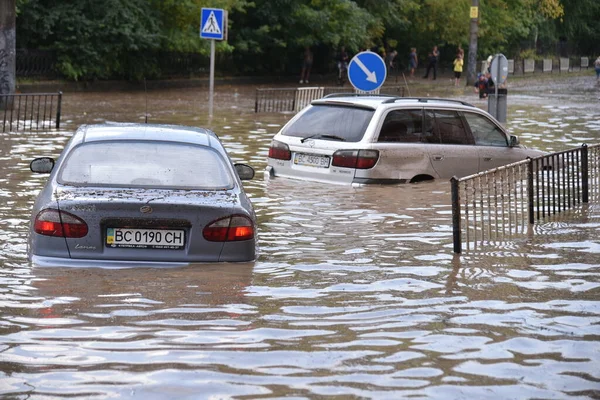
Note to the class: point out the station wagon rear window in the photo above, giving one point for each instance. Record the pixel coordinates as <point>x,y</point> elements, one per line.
<point>327,122</point>
<point>146,164</point>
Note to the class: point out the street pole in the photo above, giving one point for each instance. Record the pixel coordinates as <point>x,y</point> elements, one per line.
<point>472,64</point>
<point>7,49</point>
<point>211,84</point>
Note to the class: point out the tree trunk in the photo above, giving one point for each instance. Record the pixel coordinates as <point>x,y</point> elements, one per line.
<point>472,63</point>
<point>7,49</point>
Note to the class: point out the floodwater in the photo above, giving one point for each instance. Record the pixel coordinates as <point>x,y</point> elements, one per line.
<point>355,294</point>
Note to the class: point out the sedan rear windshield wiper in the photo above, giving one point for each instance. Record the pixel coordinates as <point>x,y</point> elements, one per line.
<point>320,136</point>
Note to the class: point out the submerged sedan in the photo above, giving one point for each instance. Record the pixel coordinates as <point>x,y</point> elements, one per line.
<point>124,194</point>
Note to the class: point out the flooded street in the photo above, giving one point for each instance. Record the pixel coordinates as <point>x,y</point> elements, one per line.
<point>356,292</point>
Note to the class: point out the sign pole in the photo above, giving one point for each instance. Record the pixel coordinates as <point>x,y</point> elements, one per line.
<point>213,26</point>
<point>211,84</point>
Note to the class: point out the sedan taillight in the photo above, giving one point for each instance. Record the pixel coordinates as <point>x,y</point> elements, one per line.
<point>359,159</point>
<point>280,151</point>
<point>229,229</point>
<point>51,222</point>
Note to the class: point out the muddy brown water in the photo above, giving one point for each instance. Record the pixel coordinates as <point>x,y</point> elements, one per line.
<point>355,294</point>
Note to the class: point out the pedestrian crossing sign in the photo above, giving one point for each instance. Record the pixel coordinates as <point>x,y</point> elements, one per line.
<point>213,24</point>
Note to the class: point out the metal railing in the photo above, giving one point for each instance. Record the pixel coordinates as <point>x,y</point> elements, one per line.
<point>504,202</point>
<point>275,100</point>
<point>295,99</point>
<point>32,111</point>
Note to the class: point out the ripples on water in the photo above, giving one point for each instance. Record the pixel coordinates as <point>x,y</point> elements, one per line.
<point>356,293</point>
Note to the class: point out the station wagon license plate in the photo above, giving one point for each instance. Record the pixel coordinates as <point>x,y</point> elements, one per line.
<point>145,238</point>
<point>311,160</point>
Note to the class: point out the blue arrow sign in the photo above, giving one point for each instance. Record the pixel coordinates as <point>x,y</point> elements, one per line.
<point>367,71</point>
<point>212,23</point>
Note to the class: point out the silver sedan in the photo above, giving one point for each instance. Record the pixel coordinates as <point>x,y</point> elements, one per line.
<point>131,194</point>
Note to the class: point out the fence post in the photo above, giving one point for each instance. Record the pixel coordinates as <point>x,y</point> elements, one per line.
<point>456,215</point>
<point>58,109</point>
<point>584,174</point>
<point>530,189</point>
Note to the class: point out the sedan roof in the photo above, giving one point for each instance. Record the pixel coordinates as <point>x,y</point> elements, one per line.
<point>133,131</point>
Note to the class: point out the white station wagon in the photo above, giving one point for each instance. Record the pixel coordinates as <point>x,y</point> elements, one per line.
<point>358,139</point>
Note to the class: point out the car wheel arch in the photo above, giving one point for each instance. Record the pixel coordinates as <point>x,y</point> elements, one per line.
<point>421,178</point>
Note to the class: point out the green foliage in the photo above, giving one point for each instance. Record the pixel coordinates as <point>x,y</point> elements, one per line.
<point>581,25</point>
<point>120,38</point>
<point>92,39</point>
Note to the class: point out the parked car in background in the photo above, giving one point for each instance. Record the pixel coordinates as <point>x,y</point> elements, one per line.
<point>121,194</point>
<point>372,139</point>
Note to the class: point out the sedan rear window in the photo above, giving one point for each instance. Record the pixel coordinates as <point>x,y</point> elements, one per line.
<point>326,122</point>
<point>146,164</point>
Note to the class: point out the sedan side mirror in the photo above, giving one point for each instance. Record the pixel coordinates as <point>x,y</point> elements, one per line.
<point>245,172</point>
<point>514,141</point>
<point>42,165</point>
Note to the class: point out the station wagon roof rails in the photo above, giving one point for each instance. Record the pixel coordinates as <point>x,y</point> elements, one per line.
<point>427,99</point>
<point>352,94</point>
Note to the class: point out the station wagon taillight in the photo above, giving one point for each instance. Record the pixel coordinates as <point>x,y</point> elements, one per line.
<point>280,151</point>
<point>359,159</point>
<point>229,229</point>
<point>51,222</point>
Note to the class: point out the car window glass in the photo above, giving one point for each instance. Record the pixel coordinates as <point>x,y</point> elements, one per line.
<point>451,128</point>
<point>402,126</point>
<point>485,132</point>
<point>146,164</point>
<point>430,133</point>
<point>336,122</point>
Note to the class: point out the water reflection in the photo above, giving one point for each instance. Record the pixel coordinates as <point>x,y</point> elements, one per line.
<point>355,294</point>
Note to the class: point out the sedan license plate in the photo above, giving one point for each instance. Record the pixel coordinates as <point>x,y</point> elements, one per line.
<point>311,160</point>
<point>145,238</point>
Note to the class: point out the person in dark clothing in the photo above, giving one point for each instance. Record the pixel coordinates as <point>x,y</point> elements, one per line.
<point>481,86</point>
<point>432,63</point>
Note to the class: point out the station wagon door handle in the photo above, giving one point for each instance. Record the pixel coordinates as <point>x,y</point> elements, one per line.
<point>438,158</point>
<point>487,158</point>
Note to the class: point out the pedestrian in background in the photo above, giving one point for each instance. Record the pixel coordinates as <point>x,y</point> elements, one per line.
<point>487,65</point>
<point>458,67</point>
<point>433,57</point>
<point>390,61</point>
<point>482,85</point>
<point>597,67</point>
<point>413,61</point>
<point>306,65</point>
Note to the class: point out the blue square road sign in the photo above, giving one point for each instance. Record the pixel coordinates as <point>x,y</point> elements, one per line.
<point>213,23</point>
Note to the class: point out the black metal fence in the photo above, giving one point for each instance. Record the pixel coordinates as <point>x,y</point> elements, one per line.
<point>295,99</point>
<point>33,111</point>
<point>36,63</point>
<point>504,202</point>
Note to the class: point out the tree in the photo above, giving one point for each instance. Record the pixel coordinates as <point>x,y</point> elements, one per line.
<point>92,39</point>
<point>7,49</point>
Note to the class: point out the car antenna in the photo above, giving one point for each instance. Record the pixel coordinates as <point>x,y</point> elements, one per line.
<point>146,96</point>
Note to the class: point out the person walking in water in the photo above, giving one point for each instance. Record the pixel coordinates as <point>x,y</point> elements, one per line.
<point>458,67</point>
<point>306,65</point>
<point>413,61</point>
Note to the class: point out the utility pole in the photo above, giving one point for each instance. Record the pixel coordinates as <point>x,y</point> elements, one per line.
<point>8,43</point>
<point>472,63</point>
